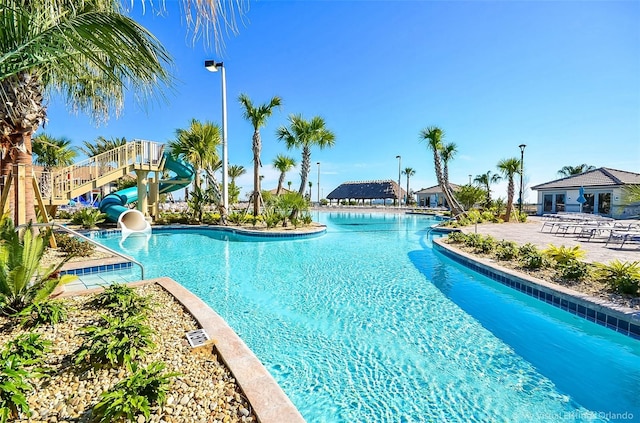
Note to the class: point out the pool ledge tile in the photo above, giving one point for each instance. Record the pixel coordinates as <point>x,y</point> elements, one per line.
<point>623,314</point>
<point>268,400</point>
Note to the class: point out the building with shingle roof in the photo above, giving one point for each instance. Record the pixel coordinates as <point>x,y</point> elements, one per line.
<point>433,196</point>
<point>601,191</point>
<point>367,190</point>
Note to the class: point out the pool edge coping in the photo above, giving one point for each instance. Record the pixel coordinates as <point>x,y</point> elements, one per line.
<point>598,305</point>
<point>268,401</point>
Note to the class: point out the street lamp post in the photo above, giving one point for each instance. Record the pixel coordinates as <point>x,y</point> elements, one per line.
<point>318,183</point>
<point>212,66</point>
<point>522,146</point>
<point>399,173</point>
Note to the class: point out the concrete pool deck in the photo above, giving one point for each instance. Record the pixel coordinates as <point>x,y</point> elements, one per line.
<point>530,231</point>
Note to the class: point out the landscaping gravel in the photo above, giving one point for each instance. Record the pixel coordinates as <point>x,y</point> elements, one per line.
<point>205,390</point>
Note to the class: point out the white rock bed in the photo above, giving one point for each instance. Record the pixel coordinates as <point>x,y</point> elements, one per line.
<point>205,391</point>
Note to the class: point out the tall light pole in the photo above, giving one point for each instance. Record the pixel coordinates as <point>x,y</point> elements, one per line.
<point>318,183</point>
<point>399,173</point>
<point>522,146</point>
<point>212,66</point>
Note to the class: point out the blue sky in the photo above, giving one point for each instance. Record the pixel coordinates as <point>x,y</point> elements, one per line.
<point>561,77</point>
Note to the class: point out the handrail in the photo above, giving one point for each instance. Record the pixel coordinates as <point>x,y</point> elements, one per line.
<point>78,234</point>
<point>99,169</point>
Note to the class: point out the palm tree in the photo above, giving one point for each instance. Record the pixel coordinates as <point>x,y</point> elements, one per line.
<point>305,134</point>
<point>236,171</point>
<point>486,179</point>
<point>283,164</point>
<point>86,50</point>
<point>258,118</point>
<point>575,170</point>
<point>51,153</point>
<point>198,146</point>
<point>433,136</point>
<point>509,168</point>
<point>409,172</point>
<point>91,53</point>
<point>101,145</point>
<point>447,153</point>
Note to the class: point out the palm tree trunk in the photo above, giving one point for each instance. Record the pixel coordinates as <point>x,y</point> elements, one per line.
<point>304,169</point>
<point>256,172</point>
<point>20,156</point>
<point>443,184</point>
<point>456,204</point>
<point>407,200</point>
<point>280,182</point>
<point>510,194</point>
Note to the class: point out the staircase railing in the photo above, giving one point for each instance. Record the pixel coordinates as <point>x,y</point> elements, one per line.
<point>79,235</point>
<point>98,170</point>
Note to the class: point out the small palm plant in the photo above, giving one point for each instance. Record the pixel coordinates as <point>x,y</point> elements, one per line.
<point>563,255</point>
<point>22,280</point>
<point>88,217</point>
<point>620,276</point>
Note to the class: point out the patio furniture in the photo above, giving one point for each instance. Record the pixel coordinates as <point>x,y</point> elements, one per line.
<point>623,237</point>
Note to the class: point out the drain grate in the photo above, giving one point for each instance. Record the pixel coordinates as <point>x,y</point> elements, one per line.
<point>197,337</point>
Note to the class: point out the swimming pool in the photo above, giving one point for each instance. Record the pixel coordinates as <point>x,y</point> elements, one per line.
<point>368,324</point>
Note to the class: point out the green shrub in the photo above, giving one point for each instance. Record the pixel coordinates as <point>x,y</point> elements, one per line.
<point>121,300</point>
<point>134,395</point>
<point>168,218</point>
<point>563,255</point>
<point>115,341</point>
<point>22,280</point>
<point>74,246</point>
<point>456,237</point>
<point>88,217</point>
<point>473,240</point>
<point>506,250</point>
<point>63,214</point>
<point>531,257</point>
<point>13,389</point>
<point>238,218</point>
<point>46,312</point>
<point>306,219</point>
<point>485,244</point>
<point>574,270</point>
<point>623,277</point>
<point>272,218</point>
<point>211,218</point>
<point>28,349</point>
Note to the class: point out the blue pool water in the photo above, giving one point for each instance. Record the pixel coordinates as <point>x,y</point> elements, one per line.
<point>368,324</point>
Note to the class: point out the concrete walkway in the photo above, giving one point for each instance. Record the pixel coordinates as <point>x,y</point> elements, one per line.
<point>531,232</point>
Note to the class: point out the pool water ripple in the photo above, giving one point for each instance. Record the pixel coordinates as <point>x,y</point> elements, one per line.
<point>368,324</point>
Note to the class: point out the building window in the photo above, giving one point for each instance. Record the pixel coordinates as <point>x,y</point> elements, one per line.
<point>547,203</point>
<point>604,203</point>
<point>559,202</point>
<point>588,206</point>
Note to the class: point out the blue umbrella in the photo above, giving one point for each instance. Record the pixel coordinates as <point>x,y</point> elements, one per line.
<point>581,198</point>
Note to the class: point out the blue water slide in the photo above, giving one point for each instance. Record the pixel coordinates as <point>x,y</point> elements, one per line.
<point>114,204</point>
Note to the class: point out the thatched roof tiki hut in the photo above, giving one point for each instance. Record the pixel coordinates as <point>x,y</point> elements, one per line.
<point>367,190</point>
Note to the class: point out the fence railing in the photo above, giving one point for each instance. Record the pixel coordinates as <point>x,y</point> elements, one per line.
<point>68,182</point>
<point>87,239</point>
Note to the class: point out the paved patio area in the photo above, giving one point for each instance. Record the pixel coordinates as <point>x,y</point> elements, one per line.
<point>531,232</point>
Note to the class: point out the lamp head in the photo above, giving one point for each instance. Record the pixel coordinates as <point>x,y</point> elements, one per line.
<point>522,146</point>
<point>397,157</point>
<point>212,66</point>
